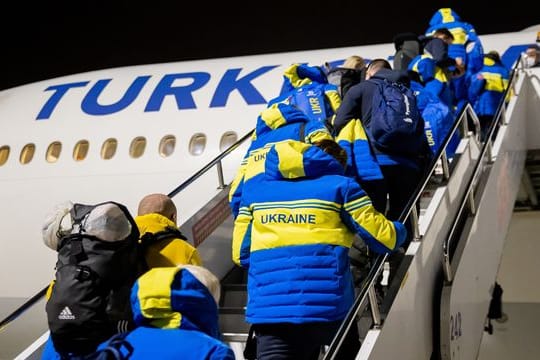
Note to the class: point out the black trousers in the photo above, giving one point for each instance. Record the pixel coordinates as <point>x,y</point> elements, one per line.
<point>400,182</point>
<point>302,341</point>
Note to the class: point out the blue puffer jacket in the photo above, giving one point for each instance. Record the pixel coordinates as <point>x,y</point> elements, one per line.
<point>362,163</point>
<point>300,219</point>
<point>488,86</point>
<point>448,18</point>
<point>438,120</point>
<point>277,123</point>
<point>466,39</point>
<point>176,318</point>
<point>433,78</point>
<point>302,78</point>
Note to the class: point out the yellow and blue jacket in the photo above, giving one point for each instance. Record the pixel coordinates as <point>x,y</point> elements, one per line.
<point>362,163</point>
<point>294,229</point>
<point>167,252</point>
<point>448,18</point>
<point>433,78</point>
<point>176,317</point>
<point>277,123</point>
<point>466,42</point>
<point>487,87</point>
<point>304,78</point>
<point>297,75</point>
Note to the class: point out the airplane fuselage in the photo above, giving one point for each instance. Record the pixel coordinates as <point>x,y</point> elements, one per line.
<point>203,105</point>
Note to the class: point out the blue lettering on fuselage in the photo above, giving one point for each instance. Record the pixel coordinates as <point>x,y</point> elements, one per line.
<point>59,92</point>
<point>90,103</point>
<point>183,94</point>
<point>229,83</point>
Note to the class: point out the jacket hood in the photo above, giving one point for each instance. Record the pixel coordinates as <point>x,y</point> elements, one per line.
<point>492,58</point>
<point>153,223</point>
<point>278,115</point>
<point>293,160</point>
<point>172,297</point>
<point>298,75</point>
<point>444,15</point>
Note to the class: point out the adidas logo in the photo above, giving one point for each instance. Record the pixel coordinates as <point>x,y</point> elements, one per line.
<point>66,314</point>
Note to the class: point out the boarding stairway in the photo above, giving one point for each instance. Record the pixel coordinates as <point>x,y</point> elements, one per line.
<point>437,303</point>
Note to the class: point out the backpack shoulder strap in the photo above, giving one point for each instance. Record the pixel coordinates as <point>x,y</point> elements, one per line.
<point>250,350</point>
<point>168,233</point>
<point>149,238</point>
<point>117,348</point>
<point>302,132</point>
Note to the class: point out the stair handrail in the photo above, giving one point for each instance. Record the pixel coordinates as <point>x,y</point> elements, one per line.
<point>367,286</point>
<point>499,119</point>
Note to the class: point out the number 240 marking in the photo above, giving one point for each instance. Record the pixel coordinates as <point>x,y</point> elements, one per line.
<point>455,323</point>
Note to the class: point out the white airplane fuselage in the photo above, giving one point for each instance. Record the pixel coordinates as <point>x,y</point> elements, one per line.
<point>207,97</point>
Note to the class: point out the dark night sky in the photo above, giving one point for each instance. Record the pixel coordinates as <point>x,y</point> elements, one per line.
<point>46,39</point>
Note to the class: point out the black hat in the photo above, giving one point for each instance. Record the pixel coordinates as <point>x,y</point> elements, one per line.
<point>493,55</point>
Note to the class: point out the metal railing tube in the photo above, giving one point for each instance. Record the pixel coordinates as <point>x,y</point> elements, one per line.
<point>19,311</point>
<point>357,307</point>
<point>469,194</point>
<point>445,167</point>
<point>380,259</point>
<point>220,175</point>
<point>211,164</point>
<point>374,307</point>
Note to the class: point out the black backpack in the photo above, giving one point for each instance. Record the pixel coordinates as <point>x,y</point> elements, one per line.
<point>96,267</point>
<point>408,45</point>
<point>344,78</point>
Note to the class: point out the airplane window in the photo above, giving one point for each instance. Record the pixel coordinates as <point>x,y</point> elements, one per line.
<point>167,145</point>
<point>197,144</point>
<point>108,149</point>
<point>27,153</point>
<point>137,147</point>
<point>81,150</point>
<point>4,154</point>
<point>227,140</point>
<point>53,152</point>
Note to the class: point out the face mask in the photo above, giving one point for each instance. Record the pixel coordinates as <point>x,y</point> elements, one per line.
<point>530,61</point>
